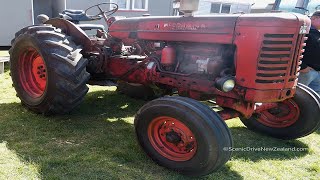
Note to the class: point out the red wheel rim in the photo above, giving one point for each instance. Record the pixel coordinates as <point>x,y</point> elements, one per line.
<point>284,115</point>
<point>172,139</point>
<point>33,73</point>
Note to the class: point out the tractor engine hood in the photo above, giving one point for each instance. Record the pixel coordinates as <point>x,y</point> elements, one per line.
<point>203,29</point>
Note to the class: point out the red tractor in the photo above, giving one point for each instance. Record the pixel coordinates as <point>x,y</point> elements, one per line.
<point>247,63</point>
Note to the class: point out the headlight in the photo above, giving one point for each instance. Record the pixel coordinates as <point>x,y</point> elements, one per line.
<point>226,84</point>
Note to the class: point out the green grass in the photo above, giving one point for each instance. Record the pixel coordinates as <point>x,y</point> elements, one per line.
<point>97,141</point>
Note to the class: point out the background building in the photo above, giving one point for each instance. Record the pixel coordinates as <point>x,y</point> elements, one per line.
<point>16,14</point>
<point>259,7</point>
<point>223,7</point>
<point>207,7</point>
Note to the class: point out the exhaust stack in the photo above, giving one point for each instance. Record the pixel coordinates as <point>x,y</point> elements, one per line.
<point>188,7</point>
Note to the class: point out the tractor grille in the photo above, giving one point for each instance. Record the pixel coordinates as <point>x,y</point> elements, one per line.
<point>278,60</point>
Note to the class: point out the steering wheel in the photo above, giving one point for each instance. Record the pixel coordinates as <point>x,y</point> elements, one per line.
<point>102,13</point>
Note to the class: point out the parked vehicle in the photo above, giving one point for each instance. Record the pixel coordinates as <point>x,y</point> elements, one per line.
<point>248,62</point>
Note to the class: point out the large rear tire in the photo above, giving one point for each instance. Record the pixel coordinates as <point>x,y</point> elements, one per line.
<point>293,118</point>
<point>184,135</point>
<point>47,70</point>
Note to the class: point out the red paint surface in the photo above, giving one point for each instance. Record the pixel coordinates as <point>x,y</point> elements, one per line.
<point>267,53</point>
<point>33,75</point>
<point>183,150</point>
<point>283,115</point>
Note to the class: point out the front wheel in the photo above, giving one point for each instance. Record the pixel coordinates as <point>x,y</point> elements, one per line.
<point>184,135</point>
<point>291,119</point>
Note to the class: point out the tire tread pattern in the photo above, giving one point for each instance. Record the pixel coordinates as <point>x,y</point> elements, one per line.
<point>65,66</point>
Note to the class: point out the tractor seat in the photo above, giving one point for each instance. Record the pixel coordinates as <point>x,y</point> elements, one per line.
<point>73,11</point>
<point>75,15</point>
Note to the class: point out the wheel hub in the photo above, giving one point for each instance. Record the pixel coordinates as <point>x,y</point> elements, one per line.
<point>172,138</point>
<point>285,114</point>
<point>33,73</point>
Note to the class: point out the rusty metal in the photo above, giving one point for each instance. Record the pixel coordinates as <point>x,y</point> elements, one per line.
<point>228,114</point>
<point>168,56</point>
<point>265,106</point>
<point>189,54</point>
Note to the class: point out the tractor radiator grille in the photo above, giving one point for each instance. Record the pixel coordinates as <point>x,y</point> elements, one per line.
<point>278,61</point>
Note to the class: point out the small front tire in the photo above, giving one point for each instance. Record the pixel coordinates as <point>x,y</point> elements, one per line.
<point>184,135</point>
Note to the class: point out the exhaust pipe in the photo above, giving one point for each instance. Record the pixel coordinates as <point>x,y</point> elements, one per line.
<point>188,7</point>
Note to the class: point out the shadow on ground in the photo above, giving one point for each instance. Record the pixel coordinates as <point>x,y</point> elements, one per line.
<point>263,147</point>
<point>97,140</point>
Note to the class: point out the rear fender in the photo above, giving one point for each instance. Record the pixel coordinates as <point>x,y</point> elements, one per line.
<point>71,29</point>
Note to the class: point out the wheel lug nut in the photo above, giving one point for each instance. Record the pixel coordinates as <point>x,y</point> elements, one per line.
<point>38,72</point>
